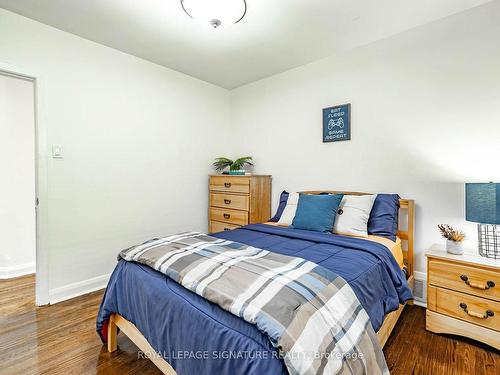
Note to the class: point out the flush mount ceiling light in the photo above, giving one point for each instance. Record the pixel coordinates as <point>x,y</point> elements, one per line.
<point>217,14</point>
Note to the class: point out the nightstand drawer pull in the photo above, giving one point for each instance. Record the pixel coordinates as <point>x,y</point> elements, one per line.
<point>227,216</point>
<point>489,284</point>
<point>486,315</point>
<point>226,229</point>
<point>227,201</point>
<point>227,185</point>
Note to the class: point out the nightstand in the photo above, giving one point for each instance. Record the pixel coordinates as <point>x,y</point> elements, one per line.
<point>463,295</point>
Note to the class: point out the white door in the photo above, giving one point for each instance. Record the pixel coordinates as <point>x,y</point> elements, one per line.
<point>17,177</point>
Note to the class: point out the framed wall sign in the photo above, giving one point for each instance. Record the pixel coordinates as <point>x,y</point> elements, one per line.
<point>337,123</point>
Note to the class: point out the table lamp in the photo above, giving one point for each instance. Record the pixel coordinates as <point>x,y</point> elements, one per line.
<point>482,206</point>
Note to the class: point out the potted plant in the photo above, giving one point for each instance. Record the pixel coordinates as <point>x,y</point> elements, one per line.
<point>454,239</point>
<point>235,166</point>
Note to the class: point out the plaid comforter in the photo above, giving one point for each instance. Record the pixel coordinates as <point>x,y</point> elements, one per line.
<point>309,313</point>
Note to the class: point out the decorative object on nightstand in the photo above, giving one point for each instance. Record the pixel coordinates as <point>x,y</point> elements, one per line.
<point>236,167</point>
<point>235,201</point>
<point>454,239</point>
<point>463,295</point>
<point>482,206</point>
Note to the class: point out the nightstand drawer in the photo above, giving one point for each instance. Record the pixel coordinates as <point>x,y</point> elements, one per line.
<point>233,201</point>
<point>215,226</point>
<point>231,184</point>
<point>472,309</point>
<point>229,216</point>
<point>463,278</point>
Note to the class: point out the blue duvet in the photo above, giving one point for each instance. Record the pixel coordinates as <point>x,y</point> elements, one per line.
<point>197,337</point>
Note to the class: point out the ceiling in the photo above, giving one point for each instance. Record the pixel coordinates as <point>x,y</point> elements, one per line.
<point>274,36</point>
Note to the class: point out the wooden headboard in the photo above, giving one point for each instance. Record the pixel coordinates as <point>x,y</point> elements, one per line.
<point>406,207</point>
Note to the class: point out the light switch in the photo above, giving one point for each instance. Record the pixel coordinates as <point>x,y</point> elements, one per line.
<point>57,152</point>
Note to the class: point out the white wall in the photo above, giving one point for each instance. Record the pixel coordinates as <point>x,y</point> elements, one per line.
<point>137,140</point>
<point>425,119</point>
<point>17,171</point>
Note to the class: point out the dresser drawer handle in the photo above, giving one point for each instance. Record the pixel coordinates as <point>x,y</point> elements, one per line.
<point>227,216</point>
<point>226,229</point>
<point>486,315</point>
<point>489,284</point>
<point>227,201</point>
<point>227,185</point>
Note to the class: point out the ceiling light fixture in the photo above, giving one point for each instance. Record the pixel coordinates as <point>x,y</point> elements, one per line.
<point>217,14</point>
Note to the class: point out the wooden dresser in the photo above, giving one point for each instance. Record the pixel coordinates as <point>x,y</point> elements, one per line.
<point>235,201</point>
<point>463,295</point>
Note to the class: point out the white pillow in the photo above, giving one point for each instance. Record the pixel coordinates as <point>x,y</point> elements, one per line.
<point>352,217</point>
<point>290,209</point>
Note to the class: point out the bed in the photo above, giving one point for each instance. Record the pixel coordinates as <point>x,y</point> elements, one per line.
<point>160,316</point>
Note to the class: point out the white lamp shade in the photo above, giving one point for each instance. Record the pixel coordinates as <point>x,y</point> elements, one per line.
<point>217,14</point>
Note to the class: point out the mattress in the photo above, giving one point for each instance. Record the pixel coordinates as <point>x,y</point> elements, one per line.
<point>394,247</point>
<point>176,321</point>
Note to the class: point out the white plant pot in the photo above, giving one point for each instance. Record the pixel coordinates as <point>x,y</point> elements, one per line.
<point>453,247</point>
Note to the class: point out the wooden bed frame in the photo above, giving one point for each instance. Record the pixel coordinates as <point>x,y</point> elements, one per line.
<point>407,207</point>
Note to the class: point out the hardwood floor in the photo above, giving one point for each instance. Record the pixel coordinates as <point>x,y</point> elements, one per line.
<point>58,339</point>
<point>61,339</point>
<point>413,350</point>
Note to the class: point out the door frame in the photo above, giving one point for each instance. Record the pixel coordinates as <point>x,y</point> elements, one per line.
<point>41,179</point>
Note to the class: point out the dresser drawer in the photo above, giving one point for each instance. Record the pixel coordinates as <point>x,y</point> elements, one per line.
<point>229,216</point>
<point>216,226</point>
<point>230,184</point>
<point>463,278</point>
<point>233,201</point>
<point>479,311</point>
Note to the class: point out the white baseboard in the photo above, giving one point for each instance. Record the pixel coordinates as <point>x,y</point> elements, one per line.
<point>16,271</point>
<point>420,303</point>
<point>66,292</point>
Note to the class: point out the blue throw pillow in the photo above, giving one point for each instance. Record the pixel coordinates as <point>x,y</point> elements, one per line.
<point>316,212</point>
<point>384,216</point>
<point>283,199</point>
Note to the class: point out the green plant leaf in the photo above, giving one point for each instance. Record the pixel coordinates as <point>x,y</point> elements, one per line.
<point>222,163</point>
<point>241,163</point>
